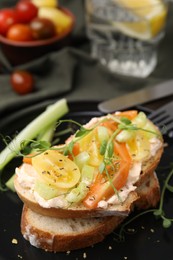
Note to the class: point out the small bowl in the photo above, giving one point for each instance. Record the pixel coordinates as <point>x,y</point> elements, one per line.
<point>19,53</point>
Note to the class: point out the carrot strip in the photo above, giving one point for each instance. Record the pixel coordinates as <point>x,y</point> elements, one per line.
<point>103,190</point>
<point>130,114</point>
<point>28,159</point>
<point>110,124</point>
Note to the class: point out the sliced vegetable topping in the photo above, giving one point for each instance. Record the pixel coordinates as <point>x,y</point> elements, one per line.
<point>113,178</point>
<point>56,169</point>
<point>94,164</point>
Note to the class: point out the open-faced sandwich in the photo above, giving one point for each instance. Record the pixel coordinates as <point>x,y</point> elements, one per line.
<point>80,191</point>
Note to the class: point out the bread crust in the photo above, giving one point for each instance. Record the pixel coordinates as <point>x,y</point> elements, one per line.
<point>148,168</point>
<point>75,212</point>
<point>58,242</point>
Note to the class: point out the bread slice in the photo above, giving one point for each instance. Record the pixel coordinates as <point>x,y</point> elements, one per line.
<point>121,209</point>
<point>79,211</point>
<point>148,192</point>
<point>58,235</point>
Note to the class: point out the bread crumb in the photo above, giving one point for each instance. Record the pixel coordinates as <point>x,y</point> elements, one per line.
<point>14,241</point>
<point>84,255</point>
<point>125,257</point>
<point>110,248</point>
<point>131,230</point>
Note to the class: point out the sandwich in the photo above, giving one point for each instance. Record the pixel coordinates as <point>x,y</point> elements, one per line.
<point>91,183</point>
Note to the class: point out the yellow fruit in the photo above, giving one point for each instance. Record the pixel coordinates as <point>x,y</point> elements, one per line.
<point>48,3</point>
<point>61,20</point>
<point>139,147</point>
<point>150,15</point>
<point>90,143</point>
<point>56,169</point>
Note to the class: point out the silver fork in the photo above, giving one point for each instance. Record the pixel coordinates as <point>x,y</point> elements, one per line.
<point>163,118</point>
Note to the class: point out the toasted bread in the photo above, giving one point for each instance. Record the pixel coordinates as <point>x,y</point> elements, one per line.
<point>122,208</point>
<point>80,211</point>
<point>54,234</point>
<point>57,234</point>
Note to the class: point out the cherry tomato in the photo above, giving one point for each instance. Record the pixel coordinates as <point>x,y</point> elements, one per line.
<point>42,28</point>
<point>8,17</point>
<point>26,11</point>
<point>22,82</point>
<point>19,32</point>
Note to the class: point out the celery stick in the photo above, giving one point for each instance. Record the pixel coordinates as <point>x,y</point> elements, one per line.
<point>46,135</point>
<point>10,183</point>
<point>49,116</point>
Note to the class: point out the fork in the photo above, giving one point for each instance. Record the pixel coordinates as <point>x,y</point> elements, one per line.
<point>163,118</point>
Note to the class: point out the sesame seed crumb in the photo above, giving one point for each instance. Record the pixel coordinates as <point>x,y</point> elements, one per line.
<point>68,252</point>
<point>110,248</point>
<point>142,227</point>
<point>14,241</point>
<point>125,257</point>
<point>84,255</point>
<point>152,230</point>
<point>158,241</point>
<point>19,256</point>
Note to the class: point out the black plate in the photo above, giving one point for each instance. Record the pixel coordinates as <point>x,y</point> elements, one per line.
<point>149,240</point>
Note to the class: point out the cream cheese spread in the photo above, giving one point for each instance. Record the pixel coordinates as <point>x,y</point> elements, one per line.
<point>27,176</point>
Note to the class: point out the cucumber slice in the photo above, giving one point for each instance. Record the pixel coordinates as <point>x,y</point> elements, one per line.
<point>77,194</point>
<point>125,135</point>
<point>140,120</point>
<point>46,191</point>
<point>87,173</point>
<point>103,134</point>
<point>81,159</point>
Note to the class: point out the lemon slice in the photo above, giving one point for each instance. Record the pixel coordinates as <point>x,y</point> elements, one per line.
<point>150,18</point>
<point>61,20</point>
<point>48,3</point>
<point>56,169</point>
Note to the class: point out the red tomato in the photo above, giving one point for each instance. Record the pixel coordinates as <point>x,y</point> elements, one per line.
<point>22,82</point>
<point>19,32</point>
<point>42,28</point>
<point>8,17</point>
<point>26,11</point>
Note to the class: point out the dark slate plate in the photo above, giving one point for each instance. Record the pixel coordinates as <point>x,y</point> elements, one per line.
<point>149,240</point>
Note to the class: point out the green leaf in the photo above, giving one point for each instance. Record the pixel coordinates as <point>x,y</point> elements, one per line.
<point>103,147</point>
<point>82,131</point>
<point>125,121</point>
<point>166,223</point>
<point>110,149</point>
<point>41,145</point>
<point>157,213</point>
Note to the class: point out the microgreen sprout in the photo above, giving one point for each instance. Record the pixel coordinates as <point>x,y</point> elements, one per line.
<point>158,212</point>
<point>126,124</point>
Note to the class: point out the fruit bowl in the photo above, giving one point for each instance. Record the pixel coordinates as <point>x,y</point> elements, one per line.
<point>20,52</point>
